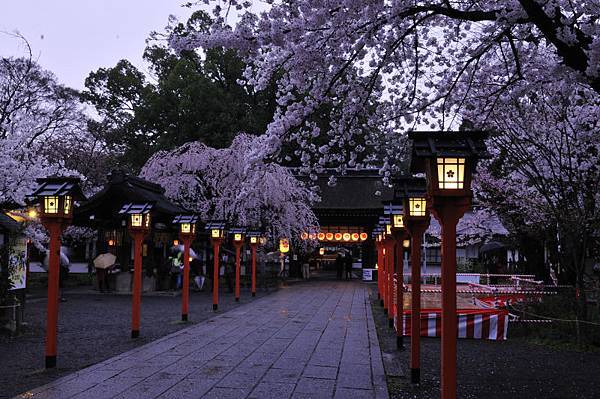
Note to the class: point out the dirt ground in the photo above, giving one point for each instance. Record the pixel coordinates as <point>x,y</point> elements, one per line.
<point>513,368</point>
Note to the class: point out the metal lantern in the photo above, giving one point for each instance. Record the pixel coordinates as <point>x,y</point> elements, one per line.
<point>448,159</point>
<point>187,224</point>
<point>238,234</point>
<point>216,229</point>
<point>386,223</point>
<point>56,195</point>
<point>412,191</point>
<point>138,215</point>
<point>255,237</point>
<point>394,212</point>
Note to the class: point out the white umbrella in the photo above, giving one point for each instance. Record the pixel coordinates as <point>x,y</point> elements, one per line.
<point>64,260</point>
<point>179,248</point>
<point>104,261</point>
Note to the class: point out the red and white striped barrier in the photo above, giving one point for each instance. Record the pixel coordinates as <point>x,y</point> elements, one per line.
<point>490,324</point>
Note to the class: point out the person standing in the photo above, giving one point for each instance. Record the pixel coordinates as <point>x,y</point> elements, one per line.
<point>348,266</point>
<point>339,265</point>
<point>305,269</point>
<point>196,268</point>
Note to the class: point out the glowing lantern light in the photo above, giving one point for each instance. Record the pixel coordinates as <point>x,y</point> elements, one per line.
<point>284,246</point>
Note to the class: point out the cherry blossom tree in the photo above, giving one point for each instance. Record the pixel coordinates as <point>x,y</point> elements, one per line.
<point>527,70</point>
<point>234,184</point>
<point>383,67</point>
<point>545,176</point>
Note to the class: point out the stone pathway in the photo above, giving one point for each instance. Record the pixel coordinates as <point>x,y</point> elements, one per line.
<point>314,340</point>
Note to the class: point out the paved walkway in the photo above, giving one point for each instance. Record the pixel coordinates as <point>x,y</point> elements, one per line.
<point>314,340</point>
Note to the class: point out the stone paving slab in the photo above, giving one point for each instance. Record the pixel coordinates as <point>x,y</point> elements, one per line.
<point>313,340</point>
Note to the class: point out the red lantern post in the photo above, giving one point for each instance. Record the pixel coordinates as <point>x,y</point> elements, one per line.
<point>416,220</point>
<point>238,242</point>
<point>138,216</point>
<point>394,212</point>
<point>380,267</point>
<point>389,249</point>
<point>448,160</point>
<point>187,233</point>
<point>217,234</point>
<point>56,196</point>
<point>255,239</point>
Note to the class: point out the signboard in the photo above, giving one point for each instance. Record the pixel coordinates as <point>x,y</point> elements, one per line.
<point>18,264</point>
<point>367,275</point>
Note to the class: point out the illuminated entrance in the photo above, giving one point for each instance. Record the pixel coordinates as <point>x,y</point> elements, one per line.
<point>347,214</point>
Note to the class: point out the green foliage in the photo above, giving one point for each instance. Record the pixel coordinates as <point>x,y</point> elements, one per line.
<point>191,97</point>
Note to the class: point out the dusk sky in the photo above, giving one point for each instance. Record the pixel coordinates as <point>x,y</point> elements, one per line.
<point>73,37</point>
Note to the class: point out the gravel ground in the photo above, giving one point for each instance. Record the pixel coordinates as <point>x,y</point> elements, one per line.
<point>94,327</point>
<point>489,369</point>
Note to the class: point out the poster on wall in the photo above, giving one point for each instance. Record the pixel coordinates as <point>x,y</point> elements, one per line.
<point>18,264</point>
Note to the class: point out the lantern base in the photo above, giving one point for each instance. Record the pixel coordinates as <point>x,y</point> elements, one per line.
<point>50,362</point>
<point>391,323</point>
<point>184,317</point>
<point>415,376</point>
<point>399,342</point>
<point>135,333</point>
<point>254,294</point>
<point>215,307</point>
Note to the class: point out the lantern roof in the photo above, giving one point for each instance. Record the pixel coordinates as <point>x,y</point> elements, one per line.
<point>100,210</point>
<point>391,208</point>
<point>237,230</point>
<point>136,208</point>
<point>215,225</point>
<point>433,144</point>
<point>59,186</point>
<point>180,219</point>
<point>254,233</point>
<point>383,220</point>
<point>409,187</point>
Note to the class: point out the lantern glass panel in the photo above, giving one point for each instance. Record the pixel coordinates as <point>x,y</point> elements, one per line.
<point>51,204</point>
<point>388,229</point>
<point>68,205</point>
<point>398,221</point>
<point>253,240</point>
<point>136,220</point>
<point>237,237</point>
<point>215,233</point>
<point>147,220</point>
<point>451,173</point>
<point>186,228</point>
<point>417,206</point>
